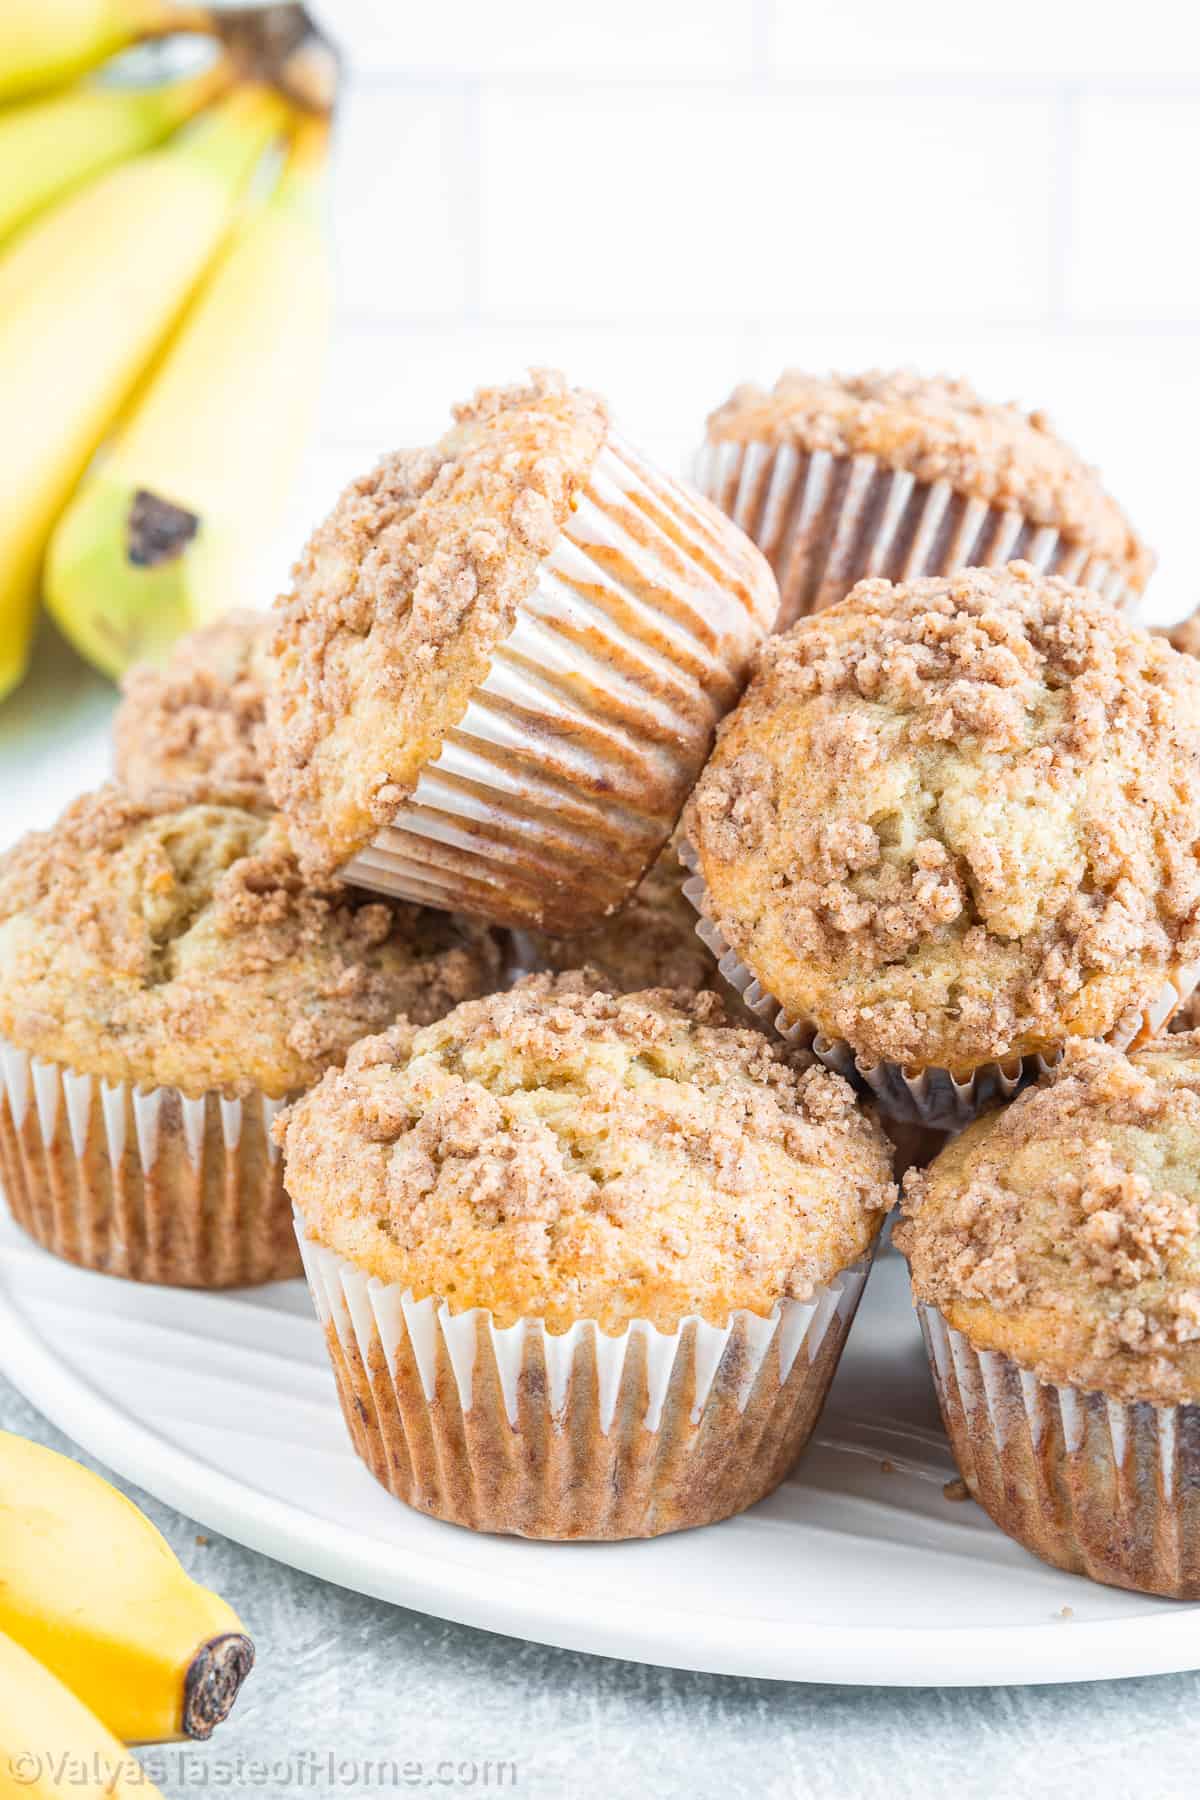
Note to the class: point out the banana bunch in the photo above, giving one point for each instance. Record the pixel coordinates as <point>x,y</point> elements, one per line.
<point>164,302</point>
<point>104,1639</point>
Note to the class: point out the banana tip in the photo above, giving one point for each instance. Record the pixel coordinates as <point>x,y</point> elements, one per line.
<point>213,1682</point>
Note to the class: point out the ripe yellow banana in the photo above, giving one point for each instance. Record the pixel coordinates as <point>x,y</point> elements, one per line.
<point>46,42</point>
<point>51,1746</point>
<point>88,295</point>
<point>90,1588</point>
<point>48,146</point>
<point>168,529</point>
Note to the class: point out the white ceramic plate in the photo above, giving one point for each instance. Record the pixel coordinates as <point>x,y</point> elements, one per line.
<point>857,1570</point>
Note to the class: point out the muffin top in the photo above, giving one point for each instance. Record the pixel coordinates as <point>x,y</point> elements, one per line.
<point>171,941</point>
<point>958,820</point>
<point>651,942</point>
<point>1064,1230</point>
<point>401,596</point>
<point>197,717</point>
<point>560,1152</point>
<point>1185,635</point>
<point>940,430</point>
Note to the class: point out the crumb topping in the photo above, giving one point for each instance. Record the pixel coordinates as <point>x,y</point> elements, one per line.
<point>171,940</point>
<point>400,598</point>
<point>959,819</point>
<point>940,430</point>
<point>651,942</point>
<point>1065,1229</point>
<point>198,716</point>
<point>563,1152</point>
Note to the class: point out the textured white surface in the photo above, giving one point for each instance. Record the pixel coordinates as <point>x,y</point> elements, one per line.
<point>858,1569</point>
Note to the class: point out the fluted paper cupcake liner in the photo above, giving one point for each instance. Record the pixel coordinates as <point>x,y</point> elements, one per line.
<point>144,1183</point>
<point>931,1096</point>
<point>825,521</point>
<point>1105,1488</point>
<point>564,777</point>
<point>580,1434</point>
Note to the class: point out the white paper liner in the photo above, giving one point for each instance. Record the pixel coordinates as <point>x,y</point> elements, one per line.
<point>144,1182</point>
<point>1106,1488</point>
<point>825,521</point>
<point>932,1096</point>
<point>565,775</point>
<point>519,1429</point>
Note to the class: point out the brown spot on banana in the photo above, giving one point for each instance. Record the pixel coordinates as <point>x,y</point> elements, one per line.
<point>158,530</point>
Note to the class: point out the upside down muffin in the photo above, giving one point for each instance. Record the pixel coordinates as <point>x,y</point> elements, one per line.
<point>167,979</point>
<point>197,718</point>
<point>898,475</point>
<point>585,1261</point>
<point>955,824</point>
<point>1055,1256</point>
<point>500,666</point>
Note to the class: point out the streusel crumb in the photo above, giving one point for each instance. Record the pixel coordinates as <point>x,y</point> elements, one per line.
<point>562,1152</point>
<point>1064,1230</point>
<point>958,819</point>
<point>198,717</point>
<point>940,430</point>
<point>172,941</point>
<point>400,598</point>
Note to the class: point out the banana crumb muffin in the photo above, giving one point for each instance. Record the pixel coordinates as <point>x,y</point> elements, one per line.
<point>637,1191</point>
<point>1184,635</point>
<point>894,474</point>
<point>955,823</point>
<point>651,942</point>
<point>166,977</point>
<point>1055,1254</point>
<point>501,662</point>
<point>197,717</point>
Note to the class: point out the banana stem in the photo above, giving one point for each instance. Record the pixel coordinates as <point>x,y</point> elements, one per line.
<point>213,1682</point>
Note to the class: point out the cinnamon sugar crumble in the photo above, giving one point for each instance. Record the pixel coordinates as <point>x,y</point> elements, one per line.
<point>1079,1206</point>
<point>400,597</point>
<point>198,717</point>
<point>940,430</point>
<point>950,817</point>
<point>172,940</point>
<point>562,1151</point>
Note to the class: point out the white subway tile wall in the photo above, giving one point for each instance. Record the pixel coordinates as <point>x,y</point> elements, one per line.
<point>666,196</point>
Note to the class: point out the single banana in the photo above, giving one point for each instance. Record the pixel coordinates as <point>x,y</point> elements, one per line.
<point>51,1746</point>
<point>169,527</point>
<point>48,146</point>
<point>88,295</point>
<point>90,1588</point>
<point>46,42</point>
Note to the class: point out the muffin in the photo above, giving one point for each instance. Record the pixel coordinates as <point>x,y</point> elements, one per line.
<point>651,942</point>
<point>895,475</point>
<point>197,718</point>
<point>502,661</point>
<point>1055,1256</point>
<point>954,824</point>
<point>585,1262</point>
<point>167,979</point>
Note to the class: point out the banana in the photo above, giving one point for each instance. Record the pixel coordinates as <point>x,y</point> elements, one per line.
<point>48,146</point>
<point>51,1746</point>
<point>46,42</point>
<point>88,294</point>
<point>95,1593</point>
<point>166,531</point>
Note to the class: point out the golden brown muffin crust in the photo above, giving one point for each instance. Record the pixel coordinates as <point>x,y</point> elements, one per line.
<point>197,717</point>
<point>1065,1229</point>
<point>400,598</point>
<point>171,941</point>
<point>940,430</point>
<point>561,1152</point>
<point>959,819</point>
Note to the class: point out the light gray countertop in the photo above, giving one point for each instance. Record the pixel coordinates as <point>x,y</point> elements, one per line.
<point>353,1679</point>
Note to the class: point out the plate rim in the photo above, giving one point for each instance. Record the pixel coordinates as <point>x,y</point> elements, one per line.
<point>1163,1642</point>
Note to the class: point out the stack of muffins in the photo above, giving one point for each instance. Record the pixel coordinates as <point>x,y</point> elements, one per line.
<point>379,954</point>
